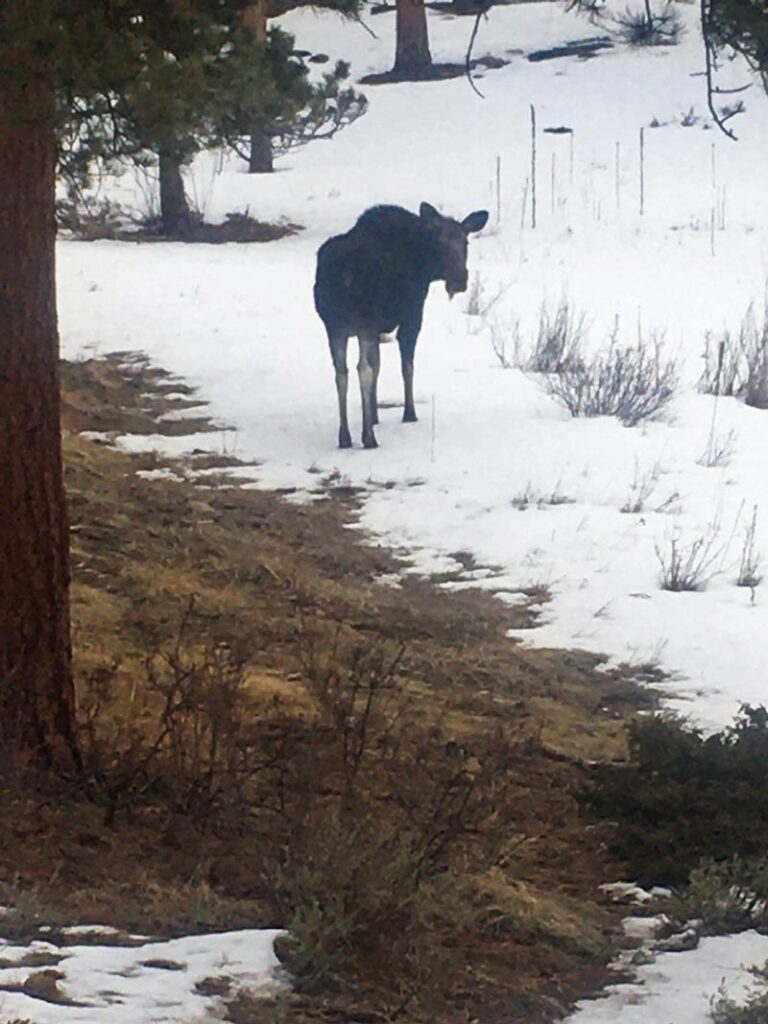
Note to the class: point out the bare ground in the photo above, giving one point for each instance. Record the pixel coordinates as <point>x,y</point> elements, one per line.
<point>165,566</point>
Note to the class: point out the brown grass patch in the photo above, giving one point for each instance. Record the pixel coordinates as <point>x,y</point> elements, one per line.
<point>256,633</point>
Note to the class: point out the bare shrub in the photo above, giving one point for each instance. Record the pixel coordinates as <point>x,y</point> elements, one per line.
<point>644,27</point>
<point>751,559</point>
<point>633,382</point>
<point>559,339</point>
<point>187,733</point>
<point>719,450</point>
<point>475,293</point>
<point>378,816</point>
<point>506,344</point>
<point>531,498</point>
<point>642,487</point>
<point>688,566</point>
<point>737,364</point>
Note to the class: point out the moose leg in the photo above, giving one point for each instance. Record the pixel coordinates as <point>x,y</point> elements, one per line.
<point>407,346</point>
<point>338,344</point>
<point>407,334</point>
<point>365,368</point>
<point>376,353</point>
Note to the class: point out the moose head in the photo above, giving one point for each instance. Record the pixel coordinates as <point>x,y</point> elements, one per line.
<point>449,238</point>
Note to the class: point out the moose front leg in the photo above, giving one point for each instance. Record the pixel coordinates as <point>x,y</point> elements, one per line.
<point>375,351</point>
<point>407,334</point>
<point>407,347</point>
<point>338,344</point>
<point>367,370</point>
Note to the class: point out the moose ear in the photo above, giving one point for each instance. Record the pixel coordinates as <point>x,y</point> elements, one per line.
<point>475,221</point>
<point>428,213</point>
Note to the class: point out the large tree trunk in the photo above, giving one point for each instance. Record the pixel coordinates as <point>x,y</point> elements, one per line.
<point>175,213</point>
<point>412,56</point>
<point>260,159</point>
<point>36,689</point>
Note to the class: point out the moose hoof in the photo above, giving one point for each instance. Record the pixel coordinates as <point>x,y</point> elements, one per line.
<point>370,442</point>
<point>345,441</point>
<point>409,416</point>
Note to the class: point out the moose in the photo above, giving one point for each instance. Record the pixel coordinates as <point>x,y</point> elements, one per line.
<point>375,278</point>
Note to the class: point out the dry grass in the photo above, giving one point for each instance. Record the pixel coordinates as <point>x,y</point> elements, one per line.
<point>257,634</point>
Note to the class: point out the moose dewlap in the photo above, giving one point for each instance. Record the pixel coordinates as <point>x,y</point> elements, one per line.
<point>374,279</point>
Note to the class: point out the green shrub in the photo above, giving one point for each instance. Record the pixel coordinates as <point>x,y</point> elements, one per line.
<point>753,1011</point>
<point>686,797</point>
<point>727,896</point>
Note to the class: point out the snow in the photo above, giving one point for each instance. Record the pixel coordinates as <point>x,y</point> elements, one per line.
<point>237,321</point>
<point>492,448</point>
<point>152,983</point>
<point>677,988</point>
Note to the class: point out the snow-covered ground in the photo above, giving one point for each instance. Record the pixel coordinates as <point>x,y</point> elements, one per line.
<point>479,471</point>
<point>180,981</point>
<point>238,320</point>
<point>678,988</point>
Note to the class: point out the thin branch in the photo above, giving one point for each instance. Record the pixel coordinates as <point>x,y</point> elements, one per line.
<point>710,64</point>
<point>468,59</point>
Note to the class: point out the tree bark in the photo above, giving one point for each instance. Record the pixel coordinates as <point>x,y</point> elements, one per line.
<point>260,159</point>
<point>37,703</point>
<point>175,213</point>
<point>412,56</point>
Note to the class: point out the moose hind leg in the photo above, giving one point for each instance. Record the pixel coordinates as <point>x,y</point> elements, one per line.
<point>367,374</point>
<point>338,345</point>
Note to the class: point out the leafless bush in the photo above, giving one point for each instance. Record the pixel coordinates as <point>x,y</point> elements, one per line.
<point>368,812</point>
<point>558,341</point>
<point>751,559</point>
<point>632,382</point>
<point>186,731</point>
<point>530,497</point>
<point>737,364</point>
<point>642,488</point>
<point>479,303</point>
<point>506,344</point>
<point>360,820</point>
<point>719,450</point>
<point>688,566</point>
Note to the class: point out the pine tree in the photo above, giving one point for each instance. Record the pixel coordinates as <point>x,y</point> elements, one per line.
<point>36,691</point>
<point>741,25</point>
<point>115,76</point>
<point>323,106</point>
<point>413,58</point>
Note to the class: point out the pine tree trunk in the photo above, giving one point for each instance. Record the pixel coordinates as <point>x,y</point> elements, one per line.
<point>175,213</point>
<point>37,723</point>
<point>260,159</point>
<point>412,56</point>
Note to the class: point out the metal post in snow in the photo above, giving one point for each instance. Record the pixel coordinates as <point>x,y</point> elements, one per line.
<point>642,171</point>
<point>552,184</point>
<point>533,166</point>
<point>498,190</point>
